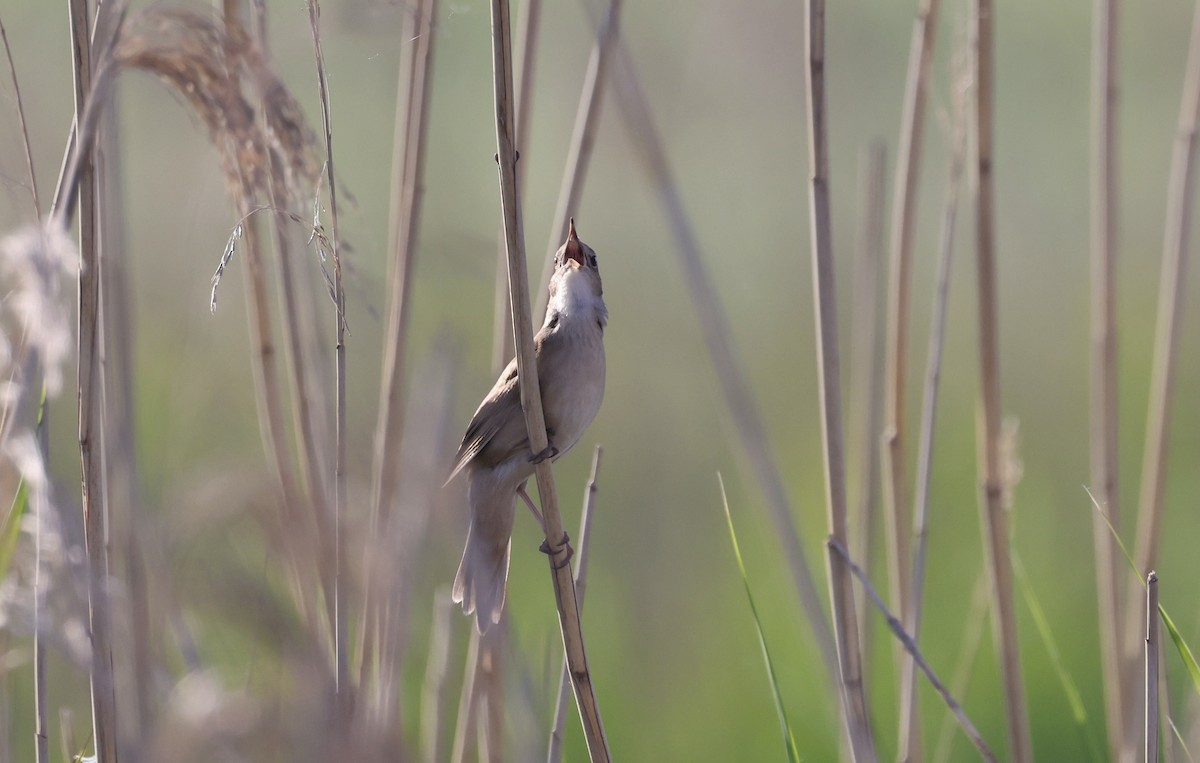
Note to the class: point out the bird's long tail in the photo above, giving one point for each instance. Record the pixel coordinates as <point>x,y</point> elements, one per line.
<point>483,572</point>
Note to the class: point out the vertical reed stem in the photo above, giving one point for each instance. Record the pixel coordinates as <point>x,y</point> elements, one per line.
<point>531,400</point>
<point>994,513</point>
<point>845,628</point>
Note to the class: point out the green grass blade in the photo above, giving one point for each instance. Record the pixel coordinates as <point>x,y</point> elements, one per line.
<point>16,513</point>
<point>1185,652</point>
<point>793,751</point>
<point>1181,646</point>
<point>12,527</point>
<point>1064,678</point>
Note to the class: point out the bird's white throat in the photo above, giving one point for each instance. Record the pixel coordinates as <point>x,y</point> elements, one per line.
<point>574,298</point>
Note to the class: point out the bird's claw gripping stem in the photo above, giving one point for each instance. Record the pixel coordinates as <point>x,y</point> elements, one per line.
<point>549,452</point>
<point>551,552</point>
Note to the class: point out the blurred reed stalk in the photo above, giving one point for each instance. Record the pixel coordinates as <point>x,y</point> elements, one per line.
<point>531,401</point>
<point>714,326</point>
<point>994,514</point>
<point>433,690</point>
<point>12,70</point>
<point>341,605</point>
<point>897,522</point>
<point>528,17</point>
<point>865,369</point>
<point>1103,412</point>
<point>90,386</point>
<point>41,724</point>
<point>910,646</point>
<point>1180,192</point>
<point>841,584</point>
<point>909,707</point>
<point>1150,729</point>
<point>579,154</point>
<point>468,703</point>
<point>558,728</point>
<point>407,184</point>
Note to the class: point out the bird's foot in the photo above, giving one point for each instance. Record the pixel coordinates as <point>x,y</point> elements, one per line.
<point>549,452</point>
<point>545,548</point>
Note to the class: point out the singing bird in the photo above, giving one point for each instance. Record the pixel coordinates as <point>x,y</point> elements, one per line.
<point>495,452</point>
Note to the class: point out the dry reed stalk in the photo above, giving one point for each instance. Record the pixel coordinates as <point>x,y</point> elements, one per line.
<point>468,702</point>
<point>865,374</point>
<point>994,514</point>
<point>12,70</point>
<point>528,22</point>
<point>1150,728</point>
<point>558,728</point>
<point>910,646</point>
<point>579,153</point>
<point>531,400</point>
<point>1103,412</point>
<point>122,479</point>
<point>341,614</point>
<point>909,707</point>
<point>91,436</point>
<point>41,724</point>
<point>895,463</point>
<point>433,690</point>
<point>714,326</point>
<point>407,181</point>
<point>1178,226</point>
<point>841,584</point>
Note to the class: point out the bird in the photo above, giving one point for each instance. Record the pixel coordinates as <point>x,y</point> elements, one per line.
<point>495,453</point>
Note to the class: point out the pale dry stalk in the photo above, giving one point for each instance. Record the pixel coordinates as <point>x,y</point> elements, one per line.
<point>866,368</point>
<point>1150,727</point>
<point>558,728</point>
<point>714,325</point>
<point>1173,281</point>
<point>579,153</point>
<point>841,584</point>
<point>897,521</point>
<point>531,401</point>
<point>910,646</point>
<point>994,514</point>
<point>91,437</point>
<point>1103,412</point>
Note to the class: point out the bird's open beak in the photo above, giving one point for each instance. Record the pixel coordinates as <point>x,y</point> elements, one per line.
<point>573,250</point>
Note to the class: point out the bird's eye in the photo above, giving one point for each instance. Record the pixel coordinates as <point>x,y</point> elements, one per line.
<point>592,260</point>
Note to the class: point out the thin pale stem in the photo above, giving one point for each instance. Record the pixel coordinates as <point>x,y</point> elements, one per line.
<point>407,181</point>
<point>1150,728</point>
<point>895,464</point>
<point>845,628</point>
<point>579,154</point>
<point>341,614</point>
<point>1173,281</point>
<point>714,325</point>
<point>866,369</point>
<point>12,69</point>
<point>910,646</point>
<point>528,17</point>
<point>909,710</point>
<point>558,729</point>
<point>530,389</point>
<point>1103,414</point>
<point>994,514</point>
<point>433,690</point>
<point>91,439</point>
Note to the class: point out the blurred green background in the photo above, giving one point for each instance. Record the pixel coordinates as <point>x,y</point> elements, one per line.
<point>671,641</point>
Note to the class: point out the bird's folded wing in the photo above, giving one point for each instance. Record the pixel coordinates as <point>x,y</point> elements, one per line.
<point>493,413</point>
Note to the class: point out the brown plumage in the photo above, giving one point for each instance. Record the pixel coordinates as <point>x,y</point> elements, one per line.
<point>495,452</point>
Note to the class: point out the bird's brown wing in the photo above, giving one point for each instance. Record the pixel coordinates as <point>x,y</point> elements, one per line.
<point>490,418</point>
